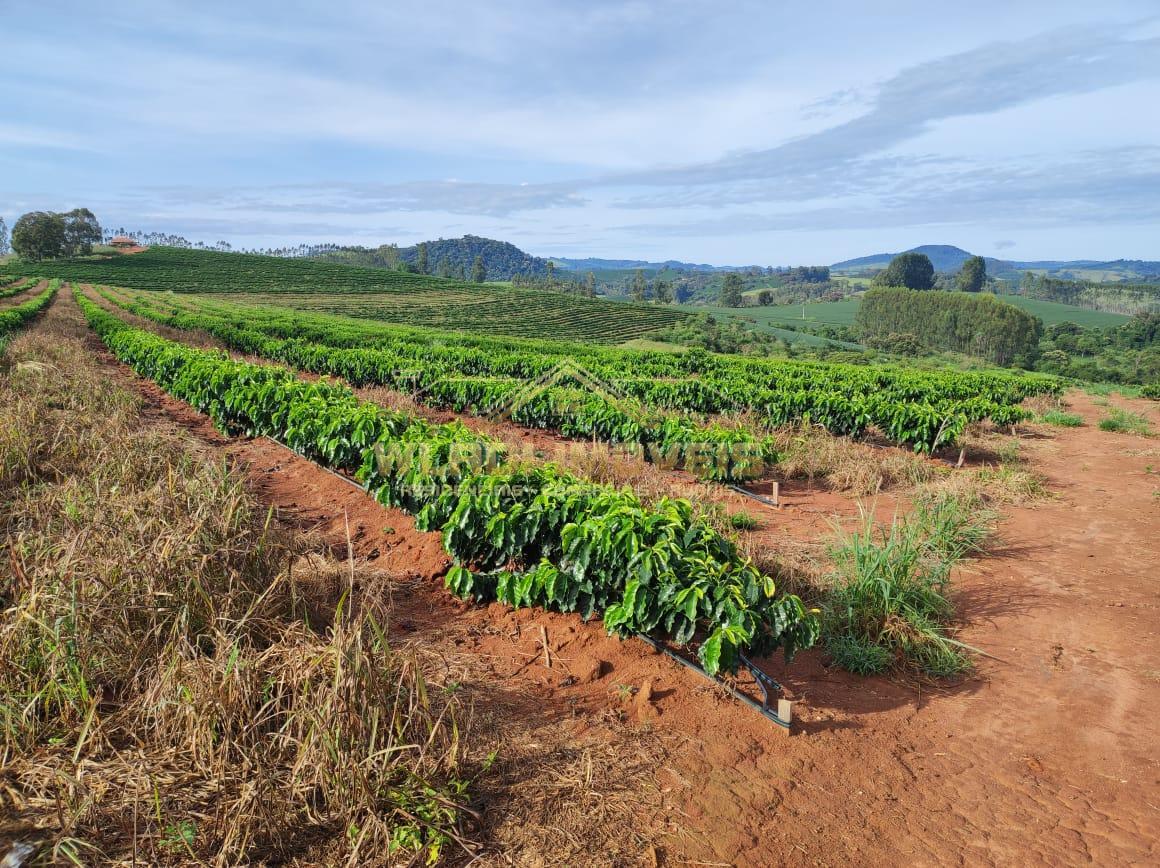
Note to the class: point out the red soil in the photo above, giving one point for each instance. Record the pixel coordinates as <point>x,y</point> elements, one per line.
<point>1047,755</point>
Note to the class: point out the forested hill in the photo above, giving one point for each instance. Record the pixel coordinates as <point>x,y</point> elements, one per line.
<point>455,257</point>
<point>447,257</point>
<point>597,264</point>
<point>944,257</point>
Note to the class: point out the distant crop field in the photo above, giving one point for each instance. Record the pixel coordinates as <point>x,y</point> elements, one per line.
<point>771,319</point>
<point>1052,312</point>
<point>370,293</point>
<point>775,318</point>
<point>843,313</point>
<point>487,310</point>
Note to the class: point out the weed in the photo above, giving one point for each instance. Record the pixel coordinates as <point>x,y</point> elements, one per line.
<point>1008,452</point>
<point>887,605</point>
<point>1061,419</point>
<point>177,663</point>
<point>1126,422</point>
<point>742,521</point>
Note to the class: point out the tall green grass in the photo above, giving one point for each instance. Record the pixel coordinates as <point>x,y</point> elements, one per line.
<point>887,606</point>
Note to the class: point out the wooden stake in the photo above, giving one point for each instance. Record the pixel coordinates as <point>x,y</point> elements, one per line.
<point>544,641</point>
<point>775,490</point>
<point>785,710</point>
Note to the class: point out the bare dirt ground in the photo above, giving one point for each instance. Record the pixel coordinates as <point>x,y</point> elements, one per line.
<point>1046,755</point>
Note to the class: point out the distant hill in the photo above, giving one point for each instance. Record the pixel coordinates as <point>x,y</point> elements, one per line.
<point>454,257</point>
<point>946,257</point>
<point>446,257</point>
<point>595,264</point>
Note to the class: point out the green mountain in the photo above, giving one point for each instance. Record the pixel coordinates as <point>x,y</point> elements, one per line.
<point>454,257</point>
<point>944,257</point>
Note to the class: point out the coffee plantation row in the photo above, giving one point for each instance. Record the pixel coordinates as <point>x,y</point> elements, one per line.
<point>524,535</point>
<point>921,409</point>
<point>12,318</point>
<point>10,289</point>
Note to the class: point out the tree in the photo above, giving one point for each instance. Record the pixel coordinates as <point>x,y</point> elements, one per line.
<point>38,235</point>
<point>388,255</point>
<point>551,272</point>
<point>639,286</point>
<point>478,272</point>
<point>3,237</point>
<point>909,270</point>
<point>765,297</point>
<point>731,290</point>
<point>973,275</point>
<point>590,285</point>
<point>663,292</point>
<point>81,232</point>
<point>421,253</point>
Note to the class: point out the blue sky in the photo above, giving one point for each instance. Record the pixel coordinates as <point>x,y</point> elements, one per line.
<point>763,132</point>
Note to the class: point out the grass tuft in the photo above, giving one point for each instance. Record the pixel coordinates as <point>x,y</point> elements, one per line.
<point>1061,419</point>
<point>1126,422</point>
<point>887,605</point>
<point>742,521</point>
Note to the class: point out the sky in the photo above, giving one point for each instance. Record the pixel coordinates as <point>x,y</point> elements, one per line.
<point>770,133</point>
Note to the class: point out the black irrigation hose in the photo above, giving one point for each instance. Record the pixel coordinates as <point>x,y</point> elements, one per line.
<point>764,681</point>
<point>758,497</point>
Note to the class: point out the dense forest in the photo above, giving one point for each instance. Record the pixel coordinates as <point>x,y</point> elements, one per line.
<point>468,258</point>
<point>1125,354</point>
<point>455,257</point>
<point>975,324</point>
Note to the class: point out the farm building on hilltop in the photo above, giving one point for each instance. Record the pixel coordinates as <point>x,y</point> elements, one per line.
<point>122,241</point>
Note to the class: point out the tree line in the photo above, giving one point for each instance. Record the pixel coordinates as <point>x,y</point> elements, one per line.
<point>1127,298</point>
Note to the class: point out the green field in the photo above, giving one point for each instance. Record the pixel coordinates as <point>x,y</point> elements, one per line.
<point>1052,312</point>
<point>367,293</point>
<point>842,313</point>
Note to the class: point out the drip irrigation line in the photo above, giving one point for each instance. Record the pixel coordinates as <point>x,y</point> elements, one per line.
<point>758,497</point>
<point>764,681</point>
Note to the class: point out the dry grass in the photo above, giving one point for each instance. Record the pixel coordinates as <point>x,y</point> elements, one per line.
<point>165,696</point>
<point>999,472</point>
<point>798,567</point>
<point>844,465</point>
